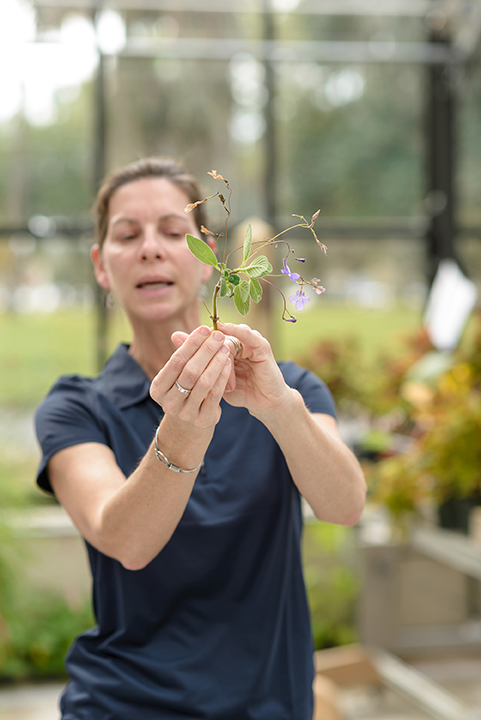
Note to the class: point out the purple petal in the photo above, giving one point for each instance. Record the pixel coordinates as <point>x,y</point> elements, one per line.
<point>300,259</point>
<point>299,299</point>
<point>292,276</point>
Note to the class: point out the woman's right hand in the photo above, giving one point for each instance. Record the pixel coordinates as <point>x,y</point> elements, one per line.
<point>191,384</point>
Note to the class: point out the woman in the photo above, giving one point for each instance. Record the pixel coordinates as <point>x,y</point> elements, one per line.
<point>192,525</point>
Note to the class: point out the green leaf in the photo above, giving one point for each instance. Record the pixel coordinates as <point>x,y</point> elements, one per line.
<point>258,268</point>
<point>247,242</point>
<point>201,250</point>
<point>223,287</point>
<point>255,290</point>
<point>234,279</point>
<point>244,289</point>
<point>241,297</point>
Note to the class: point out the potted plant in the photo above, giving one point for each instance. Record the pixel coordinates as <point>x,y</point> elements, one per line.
<point>440,465</point>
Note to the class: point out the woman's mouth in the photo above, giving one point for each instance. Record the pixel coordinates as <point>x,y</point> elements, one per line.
<point>154,285</point>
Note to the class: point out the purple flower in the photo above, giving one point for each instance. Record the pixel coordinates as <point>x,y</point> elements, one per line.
<point>290,319</point>
<point>292,276</point>
<point>300,259</point>
<point>299,299</point>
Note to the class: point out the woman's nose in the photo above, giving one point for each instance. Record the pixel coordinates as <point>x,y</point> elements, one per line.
<point>152,246</point>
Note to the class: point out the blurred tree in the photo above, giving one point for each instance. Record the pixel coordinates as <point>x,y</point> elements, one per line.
<point>354,146</point>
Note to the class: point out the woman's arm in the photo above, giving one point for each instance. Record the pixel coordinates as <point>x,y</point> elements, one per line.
<point>131,519</point>
<point>325,471</point>
<point>322,466</point>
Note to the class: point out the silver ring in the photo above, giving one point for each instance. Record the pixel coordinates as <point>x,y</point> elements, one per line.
<point>237,344</point>
<point>181,389</point>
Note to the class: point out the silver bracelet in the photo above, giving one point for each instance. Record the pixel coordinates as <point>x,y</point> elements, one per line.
<point>169,465</point>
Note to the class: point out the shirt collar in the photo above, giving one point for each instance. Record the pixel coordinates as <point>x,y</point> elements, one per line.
<point>122,379</point>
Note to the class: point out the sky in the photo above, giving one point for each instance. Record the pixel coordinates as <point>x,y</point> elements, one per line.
<point>33,72</point>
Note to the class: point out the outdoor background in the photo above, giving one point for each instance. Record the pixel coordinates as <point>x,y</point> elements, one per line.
<point>294,131</point>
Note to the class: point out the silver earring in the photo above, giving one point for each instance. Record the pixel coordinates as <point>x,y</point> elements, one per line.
<point>110,301</point>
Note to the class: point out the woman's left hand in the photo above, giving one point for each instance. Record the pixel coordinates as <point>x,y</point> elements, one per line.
<point>259,384</point>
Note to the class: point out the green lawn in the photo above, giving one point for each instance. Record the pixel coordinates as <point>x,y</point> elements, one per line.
<point>36,349</point>
<point>377,331</point>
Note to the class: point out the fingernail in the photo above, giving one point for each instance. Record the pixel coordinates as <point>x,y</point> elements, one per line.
<point>204,331</point>
<point>218,336</point>
<point>224,349</point>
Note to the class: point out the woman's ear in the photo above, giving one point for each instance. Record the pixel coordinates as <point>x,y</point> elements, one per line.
<point>99,267</point>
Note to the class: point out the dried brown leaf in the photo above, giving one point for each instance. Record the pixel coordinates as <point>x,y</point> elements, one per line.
<point>216,175</point>
<point>321,245</point>
<point>191,206</point>
<point>315,283</point>
<point>204,230</point>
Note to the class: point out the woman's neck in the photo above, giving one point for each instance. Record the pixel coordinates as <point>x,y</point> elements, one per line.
<point>152,346</point>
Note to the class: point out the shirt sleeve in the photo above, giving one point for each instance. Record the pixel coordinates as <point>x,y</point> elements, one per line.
<point>316,394</point>
<point>69,415</point>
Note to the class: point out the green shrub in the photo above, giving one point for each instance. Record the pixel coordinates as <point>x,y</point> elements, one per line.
<point>36,628</point>
<point>39,632</point>
<point>332,584</point>
<point>441,459</point>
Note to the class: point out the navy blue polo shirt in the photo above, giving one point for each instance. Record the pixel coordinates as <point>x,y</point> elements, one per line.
<point>217,625</point>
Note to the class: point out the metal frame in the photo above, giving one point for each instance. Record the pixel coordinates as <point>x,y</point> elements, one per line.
<point>99,169</point>
<point>416,687</point>
<point>441,148</point>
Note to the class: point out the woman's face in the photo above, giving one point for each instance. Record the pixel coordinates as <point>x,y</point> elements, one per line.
<point>145,260</point>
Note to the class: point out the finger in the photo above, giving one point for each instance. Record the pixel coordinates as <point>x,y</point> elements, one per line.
<point>235,346</point>
<point>207,386</point>
<point>211,404</point>
<point>231,382</point>
<point>179,338</point>
<point>249,338</point>
<point>194,368</point>
<point>166,377</point>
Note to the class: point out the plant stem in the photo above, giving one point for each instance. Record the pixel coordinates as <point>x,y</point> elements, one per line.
<point>214,316</point>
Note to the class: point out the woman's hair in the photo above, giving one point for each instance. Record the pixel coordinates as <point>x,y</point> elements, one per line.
<point>146,168</point>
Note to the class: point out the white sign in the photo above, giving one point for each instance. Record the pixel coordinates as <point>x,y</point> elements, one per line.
<point>451,300</point>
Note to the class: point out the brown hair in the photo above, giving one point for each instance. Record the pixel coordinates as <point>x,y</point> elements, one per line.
<point>146,168</point>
